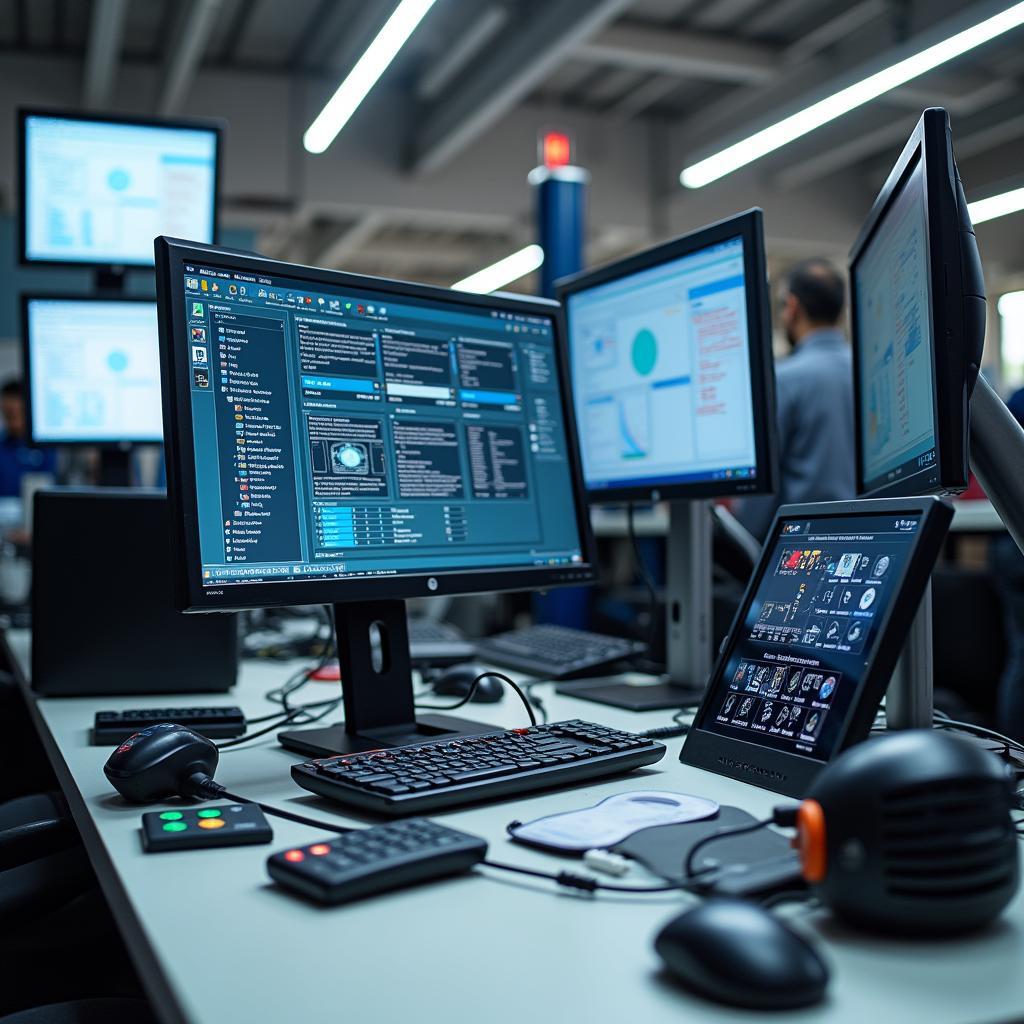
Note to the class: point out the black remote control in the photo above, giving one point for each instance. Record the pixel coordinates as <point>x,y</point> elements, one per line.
<point>193,828</point>
<point>377,859</point>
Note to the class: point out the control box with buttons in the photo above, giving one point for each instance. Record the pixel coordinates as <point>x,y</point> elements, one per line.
<point>195,827</point>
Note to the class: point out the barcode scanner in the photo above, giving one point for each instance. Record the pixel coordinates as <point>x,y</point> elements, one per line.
<point>161,761</point>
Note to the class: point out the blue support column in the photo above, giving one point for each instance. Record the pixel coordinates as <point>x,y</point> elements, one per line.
<point>561,207</point>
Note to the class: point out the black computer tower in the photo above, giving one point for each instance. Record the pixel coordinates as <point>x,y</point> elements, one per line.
<point>103,615</point>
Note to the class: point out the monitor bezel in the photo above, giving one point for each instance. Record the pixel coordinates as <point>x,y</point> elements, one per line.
<point>749,226</point>
<point>26,366</point>
<point>171,257</point>
<point>929,146</point>
<point>190,124</point>
<point>784,771</point>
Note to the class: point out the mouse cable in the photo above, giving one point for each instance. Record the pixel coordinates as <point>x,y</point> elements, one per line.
<point>582,882</point>
<point>784,816</point>
<point>472,689</point>
<point>300,712</point>
<point>215,791</point>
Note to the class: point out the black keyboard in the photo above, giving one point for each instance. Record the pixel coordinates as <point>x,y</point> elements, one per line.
<point>445,773</point>
<point>111,727</point>
<point>376,859</point>
<point>438,643</point>
<point>556,652</point>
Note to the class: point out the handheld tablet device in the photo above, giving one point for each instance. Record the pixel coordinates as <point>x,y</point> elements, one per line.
<point>817,636</point>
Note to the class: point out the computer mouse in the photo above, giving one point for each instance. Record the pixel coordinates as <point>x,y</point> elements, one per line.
<point>738,953</point>
<point>456,681</point>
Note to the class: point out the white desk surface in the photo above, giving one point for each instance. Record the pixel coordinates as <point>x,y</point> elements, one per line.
<point>215,942</point>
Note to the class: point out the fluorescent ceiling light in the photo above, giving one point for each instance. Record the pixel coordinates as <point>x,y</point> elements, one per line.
<point>504,272</point>
<point>982,210</point>
<point>793,127</point>
<point>362,78</point>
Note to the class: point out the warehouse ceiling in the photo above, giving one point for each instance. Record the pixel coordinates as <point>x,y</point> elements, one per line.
<point>691,75</point>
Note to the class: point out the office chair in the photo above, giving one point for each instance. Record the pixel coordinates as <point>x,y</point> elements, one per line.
<point>85,1011</point>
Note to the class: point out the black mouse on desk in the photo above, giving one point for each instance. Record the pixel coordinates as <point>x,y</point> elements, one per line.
<point>738,953</point>
<point>456,681</point>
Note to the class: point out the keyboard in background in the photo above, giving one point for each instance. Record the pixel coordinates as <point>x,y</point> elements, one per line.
<point>556,652</point>
<point>438,643</point>
<point>446,773</point>
<point>111,727</point>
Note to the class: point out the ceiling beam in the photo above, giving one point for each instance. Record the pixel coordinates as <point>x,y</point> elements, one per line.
<point>103,52</point>
<point>350,240</point>
<point>645,95</point>
<point>185,52</point>
<point>834,30</point>
<point>498,80</point>
<point>684,54</point>
<point>747,112</point>
<point>491,21</point>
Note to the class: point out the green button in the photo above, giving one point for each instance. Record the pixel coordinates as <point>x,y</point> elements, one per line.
<point>171,816</point>
<point>175,826</point>
<point>210,813</point>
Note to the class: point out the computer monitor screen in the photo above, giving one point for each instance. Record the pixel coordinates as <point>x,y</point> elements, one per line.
<point>896,385</point>
<point>97,191</point>
<point>822,622</point>
<point>93,370</point>
<point>918,317</point>
<point>671,368</point>
<point>347,430</point>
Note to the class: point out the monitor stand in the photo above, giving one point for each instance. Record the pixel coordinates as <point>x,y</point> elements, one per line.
<point>116,466</point>
<point>909,698</point>
<point>376,687</point>
<point>688,624</point>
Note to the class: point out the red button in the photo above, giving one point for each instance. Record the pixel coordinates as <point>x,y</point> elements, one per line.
<point>295,856</point>
<point>320,850</point>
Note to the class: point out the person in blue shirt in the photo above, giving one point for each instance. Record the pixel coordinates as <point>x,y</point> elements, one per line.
<point>814,398</point>
<point>17,456</point>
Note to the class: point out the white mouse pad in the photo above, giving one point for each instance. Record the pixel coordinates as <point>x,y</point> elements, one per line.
<point>612,820</point>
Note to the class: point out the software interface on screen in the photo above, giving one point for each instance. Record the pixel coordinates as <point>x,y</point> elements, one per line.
<point>100,192</point>
<point>94,371</point>
<point>661,373</point>
<point>794,674</point>
<point>346,433</point>
<point>894,342</point>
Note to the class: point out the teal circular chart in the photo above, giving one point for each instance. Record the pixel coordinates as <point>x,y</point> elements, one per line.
<point>117,361</point>
<point>118,179</point>
<point>645,351</point>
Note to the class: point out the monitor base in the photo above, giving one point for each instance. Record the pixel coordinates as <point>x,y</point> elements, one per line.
<point>332,740</point>
<point>617,692</point>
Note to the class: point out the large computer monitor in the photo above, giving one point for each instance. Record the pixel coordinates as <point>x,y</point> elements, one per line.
<point>674,385</point>
<point>918,316</point>
<point>96,191</point>
<point>672,369</point>
<point>355,441</point>
<point>92,370</point>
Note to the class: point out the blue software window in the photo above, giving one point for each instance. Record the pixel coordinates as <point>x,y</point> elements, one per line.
<point>347,434</point>
<point>661,373</point>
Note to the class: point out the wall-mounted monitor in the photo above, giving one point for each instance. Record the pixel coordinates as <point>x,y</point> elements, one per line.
<point>92,369</point>
<point>96,191</point>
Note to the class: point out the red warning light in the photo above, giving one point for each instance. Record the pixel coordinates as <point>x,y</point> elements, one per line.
<point>294,856</point>
<point>320,850</point>
<point>556,148</point>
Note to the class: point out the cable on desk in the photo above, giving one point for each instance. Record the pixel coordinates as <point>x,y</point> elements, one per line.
<point>667,732</point>
<point>645,575</point>
<point>472,689</point>
<point>582,882</point>
<point>943,721</point>
<point>688,865</point>
<point>217,791</point>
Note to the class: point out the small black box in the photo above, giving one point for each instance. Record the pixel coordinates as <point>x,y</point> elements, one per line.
<point>103,615</point>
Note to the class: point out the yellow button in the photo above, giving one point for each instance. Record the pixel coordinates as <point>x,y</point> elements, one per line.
<point>211,823</point>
